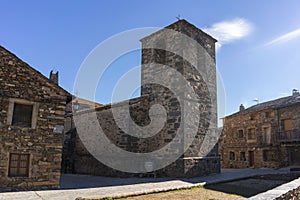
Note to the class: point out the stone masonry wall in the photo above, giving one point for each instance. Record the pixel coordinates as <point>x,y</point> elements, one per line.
<point>83,162</point>
<point>290,195</point>
<point>197,66</point>
<point>80,161</point>
<point>22,84</point>
<point>279,148</point>
<point>232,143</point>
<point>192,54</point>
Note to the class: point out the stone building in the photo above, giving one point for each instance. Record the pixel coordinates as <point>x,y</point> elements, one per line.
<point>197,66</point>
<point>32,110</point>
<point>264,135</point>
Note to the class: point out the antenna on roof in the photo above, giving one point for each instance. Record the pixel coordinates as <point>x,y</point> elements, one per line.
<point>178,17</point>
<point>256,100</point>
<point>76,93</point>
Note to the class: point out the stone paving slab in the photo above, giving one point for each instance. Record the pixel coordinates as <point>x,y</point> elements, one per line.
<point>278,191</point>
<point>74,186</point>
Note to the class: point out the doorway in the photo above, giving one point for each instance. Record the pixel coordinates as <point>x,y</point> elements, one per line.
<point>251,158</point>
<point>294,155</point>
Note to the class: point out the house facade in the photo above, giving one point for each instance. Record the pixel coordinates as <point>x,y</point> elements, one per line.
<point>32,110</point>
<point>264,135</point>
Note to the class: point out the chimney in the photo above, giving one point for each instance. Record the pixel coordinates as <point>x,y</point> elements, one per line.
<point>242,107</point>
<point>295,92</point>
<point>54,77</point>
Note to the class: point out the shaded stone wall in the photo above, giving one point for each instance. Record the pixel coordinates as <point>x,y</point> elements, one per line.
<point>290,140</point>
<point>77,158</point>
<point>20,83</point>
<point>161,48</point>
<point>193,57</point>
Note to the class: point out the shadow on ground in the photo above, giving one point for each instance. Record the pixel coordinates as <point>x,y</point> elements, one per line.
<point>253,185</point>
<point>70,181</point>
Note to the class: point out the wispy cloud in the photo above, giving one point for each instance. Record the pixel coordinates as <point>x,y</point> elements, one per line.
<point>228,31</point>
<point>284,38</point>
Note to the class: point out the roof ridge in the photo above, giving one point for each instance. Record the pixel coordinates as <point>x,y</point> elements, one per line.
<point>34,70</point>
<point>274,103</point>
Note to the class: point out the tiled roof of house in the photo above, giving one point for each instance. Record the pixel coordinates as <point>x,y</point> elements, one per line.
<point>273,104</point>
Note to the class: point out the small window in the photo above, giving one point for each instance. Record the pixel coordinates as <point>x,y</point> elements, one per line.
<point>22,115</point>
<point>286,125</point>
<point>267,114</point>
<point>231,155</point>
<point>242,156</point>
<point>251,133</point>
<point>254,117</point>
<point>240,133</point>
<point>18,165</point>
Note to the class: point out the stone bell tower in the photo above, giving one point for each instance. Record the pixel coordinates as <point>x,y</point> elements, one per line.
<point>189,53</point>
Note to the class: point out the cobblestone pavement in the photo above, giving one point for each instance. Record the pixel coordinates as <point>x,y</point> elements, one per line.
<point>74,186</point>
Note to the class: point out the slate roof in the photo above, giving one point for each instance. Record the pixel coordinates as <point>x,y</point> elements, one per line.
<point>273,104</point>
<point>181,22</point>
<point>36,72</point>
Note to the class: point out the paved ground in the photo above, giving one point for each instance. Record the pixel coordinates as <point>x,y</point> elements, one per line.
<point>73,186</point>
<point>278,191</point>
<point>252,186</point>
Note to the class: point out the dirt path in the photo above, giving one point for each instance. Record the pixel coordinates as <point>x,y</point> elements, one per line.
<point>189,194</point>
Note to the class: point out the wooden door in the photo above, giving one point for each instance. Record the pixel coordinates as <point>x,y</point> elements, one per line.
<point>251,158</point>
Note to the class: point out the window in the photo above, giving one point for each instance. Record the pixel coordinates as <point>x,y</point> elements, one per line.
<point>286,125</point>
<point>22,115</point>
<point>18,165</point>
<point>242,156</point>
<point>231,155</point>
<point>254,117</point>
<point>251,133</point>
<point>240,133</point>
<point>269,155</point>
<point>267,135</point>
<point>269,114</point>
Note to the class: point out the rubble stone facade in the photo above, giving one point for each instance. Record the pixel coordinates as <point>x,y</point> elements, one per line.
<point>158,49</point>
<point>265,135</point>
<point>32,110</point>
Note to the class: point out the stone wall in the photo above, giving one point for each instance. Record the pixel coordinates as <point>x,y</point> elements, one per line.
<point>278,147</point>
<point>232,143</point>
<point>19,83</point>
<point>77,158</point>
<point>191,53</point>
<point>290,195</point>
<point>193,59</point>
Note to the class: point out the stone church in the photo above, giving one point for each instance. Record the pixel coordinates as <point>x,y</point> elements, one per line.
<point>197,66</point>
<point>39,140</point>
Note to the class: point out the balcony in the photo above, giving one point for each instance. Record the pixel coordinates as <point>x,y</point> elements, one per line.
<point>289,136</point>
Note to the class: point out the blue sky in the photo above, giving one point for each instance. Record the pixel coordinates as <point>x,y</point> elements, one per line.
<point>257,57</point>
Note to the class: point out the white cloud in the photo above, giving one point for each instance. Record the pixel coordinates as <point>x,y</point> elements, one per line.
<point>228,31</point>
<point>284,38</point>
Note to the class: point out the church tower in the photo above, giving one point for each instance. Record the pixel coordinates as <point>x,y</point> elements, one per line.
<point>179,73</point>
